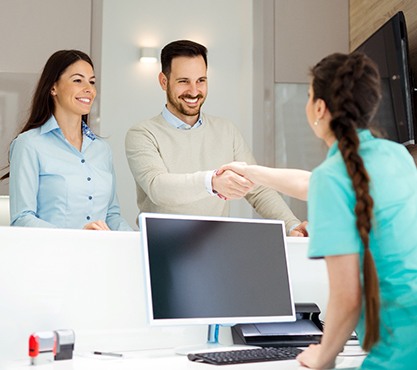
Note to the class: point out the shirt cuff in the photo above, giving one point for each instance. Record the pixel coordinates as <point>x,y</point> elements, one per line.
<point>292,228</point>
<point>208,182</point>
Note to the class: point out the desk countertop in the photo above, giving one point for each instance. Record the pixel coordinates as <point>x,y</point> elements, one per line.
<point>162,359</point>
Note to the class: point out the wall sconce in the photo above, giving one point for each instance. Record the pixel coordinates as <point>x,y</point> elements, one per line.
<point>148,55</point>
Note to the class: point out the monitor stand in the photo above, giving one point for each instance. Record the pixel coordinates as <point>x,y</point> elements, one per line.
<point>212,343</point>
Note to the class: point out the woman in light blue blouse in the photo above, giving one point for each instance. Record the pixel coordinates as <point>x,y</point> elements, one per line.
<point>61,174</point>
<point>362,212</point>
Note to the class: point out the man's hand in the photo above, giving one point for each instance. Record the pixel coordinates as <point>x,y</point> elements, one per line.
<point>300,230</point>
<point>230,185</point>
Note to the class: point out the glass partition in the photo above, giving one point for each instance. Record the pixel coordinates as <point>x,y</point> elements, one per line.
<point>296,146</point>
<point>15,94</point>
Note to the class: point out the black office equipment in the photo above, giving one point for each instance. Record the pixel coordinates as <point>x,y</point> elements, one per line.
<point>388,48</point>
<point>246,355</point>
<point>306,330</point>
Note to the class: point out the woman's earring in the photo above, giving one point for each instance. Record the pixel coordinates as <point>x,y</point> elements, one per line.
<point>316,122</point>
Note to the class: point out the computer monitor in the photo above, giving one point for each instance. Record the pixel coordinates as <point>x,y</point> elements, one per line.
<point>215,270</point>
<point>388,47</point>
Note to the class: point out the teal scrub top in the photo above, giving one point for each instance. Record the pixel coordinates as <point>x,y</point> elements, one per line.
<point>393,238</point>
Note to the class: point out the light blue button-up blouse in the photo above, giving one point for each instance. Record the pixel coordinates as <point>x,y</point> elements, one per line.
<point>52,184</point>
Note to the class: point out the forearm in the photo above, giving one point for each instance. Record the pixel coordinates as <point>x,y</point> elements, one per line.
<point>342,314</point>
<point>291,182</point>
<point>113,218</point>
<point>28,219</point>
<point>344,305</point>
<point>340,322</point>
<point>171,190</point>
<point>116,222</point>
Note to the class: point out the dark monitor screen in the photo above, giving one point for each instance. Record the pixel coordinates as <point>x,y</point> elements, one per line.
<point>388,48</point>
<point>206,270</point>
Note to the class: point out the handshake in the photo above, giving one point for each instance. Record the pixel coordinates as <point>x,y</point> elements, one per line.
<point>230,182</point>
<point>236,179</point>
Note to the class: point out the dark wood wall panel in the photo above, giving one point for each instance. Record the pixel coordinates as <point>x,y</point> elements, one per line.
<point>366,16</point>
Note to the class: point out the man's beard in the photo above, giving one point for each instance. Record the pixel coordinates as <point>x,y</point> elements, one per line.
<point>179,104</point>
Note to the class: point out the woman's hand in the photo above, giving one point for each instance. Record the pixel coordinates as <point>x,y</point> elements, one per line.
<point>313,358</point>
<point>287,181</point>
<point>96,225</point>
<point>230,185</point>
<point>237,167</point>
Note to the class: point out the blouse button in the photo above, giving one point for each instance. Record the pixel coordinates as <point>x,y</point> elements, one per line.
<point>88,217</point>
<point>90,197</point>
<point>88,178</point>
<point>82,160</point>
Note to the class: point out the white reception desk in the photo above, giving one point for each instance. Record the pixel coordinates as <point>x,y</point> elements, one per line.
<point>92,282</point>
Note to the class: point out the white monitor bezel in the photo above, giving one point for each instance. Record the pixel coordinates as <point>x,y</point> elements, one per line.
<point>208,320</point>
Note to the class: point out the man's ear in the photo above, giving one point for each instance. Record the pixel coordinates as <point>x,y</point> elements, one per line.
<point>163,81</point>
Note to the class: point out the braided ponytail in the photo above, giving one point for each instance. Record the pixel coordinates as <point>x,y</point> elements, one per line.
<point>352,100</point>
<point>348,146</point>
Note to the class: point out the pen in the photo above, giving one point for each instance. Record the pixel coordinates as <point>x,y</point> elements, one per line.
<point>113,354</point>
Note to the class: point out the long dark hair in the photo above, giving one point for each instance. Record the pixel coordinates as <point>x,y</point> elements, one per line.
<point>43,105</point>
<point>352,97</point>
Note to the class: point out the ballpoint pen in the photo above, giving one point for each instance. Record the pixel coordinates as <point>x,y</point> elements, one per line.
<point>112,354</point>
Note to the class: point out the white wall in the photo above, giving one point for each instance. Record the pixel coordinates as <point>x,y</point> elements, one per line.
<point>94,284</point>
<point>30,32</point>
<point>130,91</point>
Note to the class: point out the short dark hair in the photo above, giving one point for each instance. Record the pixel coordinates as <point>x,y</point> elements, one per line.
<point>180,48</point>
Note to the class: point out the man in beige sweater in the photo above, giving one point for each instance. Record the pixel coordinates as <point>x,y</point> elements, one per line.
<point>174,156</point>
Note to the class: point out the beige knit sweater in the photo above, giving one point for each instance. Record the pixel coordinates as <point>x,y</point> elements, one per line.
<point>169,167</point>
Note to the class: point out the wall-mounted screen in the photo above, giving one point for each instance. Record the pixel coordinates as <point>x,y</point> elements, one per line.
<point>388,47</point>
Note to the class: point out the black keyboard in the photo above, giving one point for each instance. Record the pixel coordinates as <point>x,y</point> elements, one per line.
<point>246,355</point>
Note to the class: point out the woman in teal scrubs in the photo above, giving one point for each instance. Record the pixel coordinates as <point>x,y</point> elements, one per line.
<point>362,211</point>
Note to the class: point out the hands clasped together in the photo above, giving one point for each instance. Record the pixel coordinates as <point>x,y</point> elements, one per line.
<point>236,179</point>
<point>230,181</point>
